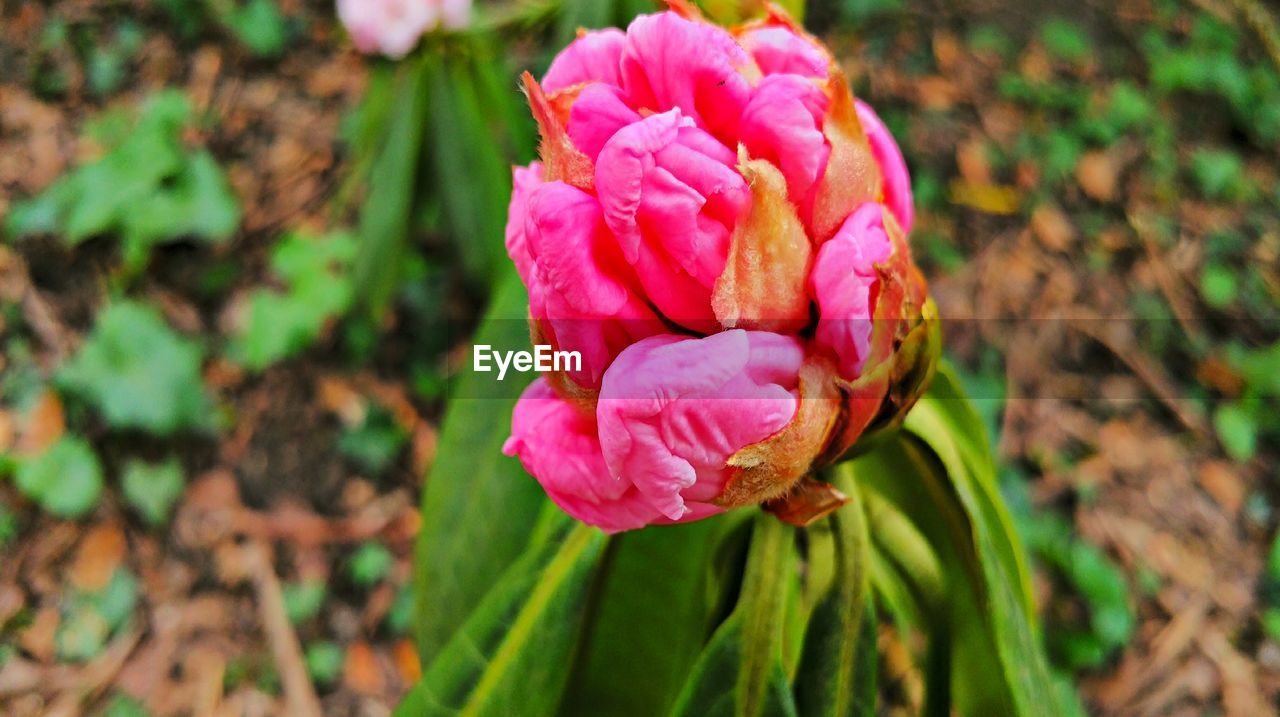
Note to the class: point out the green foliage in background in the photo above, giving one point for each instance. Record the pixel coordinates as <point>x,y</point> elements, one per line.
<point>316,289</point>
<point>148,188</point>
<point>153,489</point>
<point>139,373</point>
<point>65,479</point>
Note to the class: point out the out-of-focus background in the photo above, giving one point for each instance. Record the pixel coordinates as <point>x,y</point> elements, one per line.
<point>211,448</point>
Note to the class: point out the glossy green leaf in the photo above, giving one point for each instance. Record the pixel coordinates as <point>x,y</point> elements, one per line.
<point>940,475</point>
<point>514,653</point>
<point>385,217</point>
<point>741,671</point>
<point>479,506</point>
<point>837,674</point>
<point>649,622</point>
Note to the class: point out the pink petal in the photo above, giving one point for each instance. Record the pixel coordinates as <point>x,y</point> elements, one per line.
<point>844,281</point>
<point>671,197</point>
<point>670,62</point>
<point>586,291</point>
<point>593,57</point>
<point>524,181</point>
<point>778,50</point>
<point>783,125</point>
<point>557,445</point>
<point>897,180</point>
<point>672,410</point>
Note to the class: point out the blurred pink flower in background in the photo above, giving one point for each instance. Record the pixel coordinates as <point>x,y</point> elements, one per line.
<point>718,227</point>
<point>392,27</point>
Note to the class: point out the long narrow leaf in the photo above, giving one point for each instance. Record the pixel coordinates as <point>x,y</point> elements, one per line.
<point>513,655</point>
<point>651,619</point>
<point>479,506</point>
<point>741,671</point>
<point>384,218</point>
<point>837,670</point>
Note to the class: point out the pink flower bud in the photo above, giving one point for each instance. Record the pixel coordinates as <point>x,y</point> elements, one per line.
<point>725,185</point>
<point>392,27</point>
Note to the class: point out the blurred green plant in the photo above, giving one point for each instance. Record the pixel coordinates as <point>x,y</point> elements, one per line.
<point>370,564</point>
<point>317,289</point>
<point>324,661</point>
<point>153,488</point>
<point>124,706</point>
<point>89,619</point>
<point>65,479</point>
<point>148,188</point>
<point>139,373</point>
<point>374,445</point>
<point>258,25</point>
<point>303,600</point>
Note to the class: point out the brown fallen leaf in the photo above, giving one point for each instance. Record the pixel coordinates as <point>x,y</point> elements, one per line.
<point>1052,227</point>
<point>1097,174</point>
<point>100,553</point>
<point>360,672</point>
<point>405,655</point>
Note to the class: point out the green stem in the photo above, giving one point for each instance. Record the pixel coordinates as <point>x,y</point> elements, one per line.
<point>762,606</point>
<point>904,546</point>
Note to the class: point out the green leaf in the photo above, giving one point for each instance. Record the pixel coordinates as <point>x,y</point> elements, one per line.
<point>941,476</point>
<point>65,480</point>
<point>479,506</point>
<point>650,619</point>
<point>514,653</point>
<point>1066,40</point>
<point>303,600</point>
<point>317,290</point>
<point>837,674</point>
<point>324,661</point>
<point>124,706</point>
<point>148,187</point>
<point>741,671</point>
<point>384,219</point>
<point>1218,286</point>
<point>470,169</point>
<point>370,564</point>
<point>257,24</point>
<point>152,489</point>
<point>1237,429</point>
<point>139,373</point>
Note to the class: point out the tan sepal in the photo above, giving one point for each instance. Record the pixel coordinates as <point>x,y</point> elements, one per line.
<point>580,396</point>
<point>561,160</point>
<point>684,9</point>
<point>808,502</point>
<point>763,284</point>
<point>852,175</point>
<point>768,469</point>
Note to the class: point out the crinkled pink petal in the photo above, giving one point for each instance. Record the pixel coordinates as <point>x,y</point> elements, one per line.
<point>523,180</point>
<point>597,115</point>
<point>593,57</point>
<point>670,62</point>
<point>587,298</point>
<point>844,283</point>
<point>673,410</point>
<point>557,445</point>
<point>778,50</point>
<point>897,180</point>
<point>671,196</point>
<point>783,125</point>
